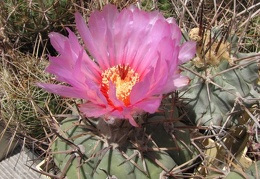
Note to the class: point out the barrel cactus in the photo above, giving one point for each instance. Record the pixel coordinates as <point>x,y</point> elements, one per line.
<point>21,99</point>
<point>221,78</point>
<point>95,149</point>
<point>29,22</point>
<point>128,125</point>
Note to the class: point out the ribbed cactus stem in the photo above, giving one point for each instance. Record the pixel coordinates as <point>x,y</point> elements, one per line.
<point>114,134</point>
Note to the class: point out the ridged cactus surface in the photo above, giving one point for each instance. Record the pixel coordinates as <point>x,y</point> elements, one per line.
<point>97,150</point>
<point>219,79</point>
<point>27,22</point>
<point>97,159</point>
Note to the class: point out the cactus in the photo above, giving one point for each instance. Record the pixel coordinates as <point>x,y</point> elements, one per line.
<point>223,82</point>
<point>218,81</point>
<point>223,88</point>
<point>22,101</point>
<point>166,7</point>
<point>26,21</point>
<point>251,173</point>
<point>105,160</point>
<point>95,149</point>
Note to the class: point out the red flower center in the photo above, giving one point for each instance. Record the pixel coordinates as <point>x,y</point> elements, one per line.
<point>124,78</point>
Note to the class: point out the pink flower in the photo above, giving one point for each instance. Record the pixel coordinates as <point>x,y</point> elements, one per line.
<point>136,56</point>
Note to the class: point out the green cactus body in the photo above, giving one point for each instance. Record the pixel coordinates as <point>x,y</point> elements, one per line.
<point>102,159</point>
<point>21,99</point>
<point>217,82</point>
<point>210,103</point>
<point>32,20</point>
<point>61,159</point>
<point>176,139</point>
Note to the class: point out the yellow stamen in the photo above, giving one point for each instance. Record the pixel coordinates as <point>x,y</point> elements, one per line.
<point>124,78</point>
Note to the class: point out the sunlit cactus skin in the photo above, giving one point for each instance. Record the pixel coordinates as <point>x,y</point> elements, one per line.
<point>154,150</point>
<point>91,155</point>
<point>218,81</point>
<point>174,136</point>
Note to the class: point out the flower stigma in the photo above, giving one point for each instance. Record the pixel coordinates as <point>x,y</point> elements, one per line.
<point>124,78</point>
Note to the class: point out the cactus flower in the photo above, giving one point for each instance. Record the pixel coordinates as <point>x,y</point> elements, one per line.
<point>132,60</point>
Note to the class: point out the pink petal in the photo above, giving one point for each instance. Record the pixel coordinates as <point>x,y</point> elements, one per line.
<point>145,41</point>
<point>187,51</point>
<point>93,93</point>
<point>175,30</point>
<point>73,63</point>
<point>93,110</point>
<point>73,41</point>
<point>78,50</point>
<point>57,40</point>
<point>132,121</point>
<point>181,81</point>
<point>64,91</point>
<point>178,81</point>
<point>150,47</point>
<point>122,33</point>
<point>58,68</point>
<point>159,77</point>
<point>112,95</point>
<point>98,29</point>
<point>87,38</point>
<point>165,47</point>
<point>110,12</point>
<point>141,89</point>
<point>85,69</point>
<point>159,30</point>
<point>149,104</point>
